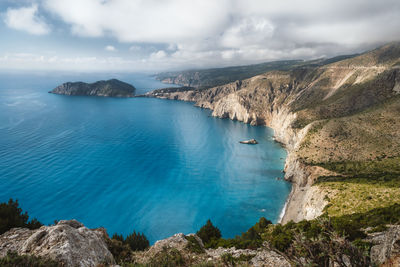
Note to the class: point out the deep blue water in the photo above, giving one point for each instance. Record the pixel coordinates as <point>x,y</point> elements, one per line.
<point>150,165</point>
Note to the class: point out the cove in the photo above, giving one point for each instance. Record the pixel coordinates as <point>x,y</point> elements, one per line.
<point>156,166</point>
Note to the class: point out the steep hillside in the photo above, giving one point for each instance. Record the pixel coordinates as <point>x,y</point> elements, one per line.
<point>219,76</point>
<point>341,112</point>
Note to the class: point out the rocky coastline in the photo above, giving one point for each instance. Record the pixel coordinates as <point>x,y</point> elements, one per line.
<point>303,201</point>
<point>300,102</point>
<point>325,117</point>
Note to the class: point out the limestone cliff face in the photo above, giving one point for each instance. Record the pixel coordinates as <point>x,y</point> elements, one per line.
<point>110,88</point>
<point>68,242</point>
<point>294,102</point>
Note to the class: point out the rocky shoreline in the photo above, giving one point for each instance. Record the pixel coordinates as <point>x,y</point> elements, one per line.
<point>322,115</point>
<point>304,202</point>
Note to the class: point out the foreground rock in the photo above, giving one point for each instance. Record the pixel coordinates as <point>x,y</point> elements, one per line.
<point>386,246</point>
<point>68,242</point>
<point>188,250</point>
<point>110,88</point>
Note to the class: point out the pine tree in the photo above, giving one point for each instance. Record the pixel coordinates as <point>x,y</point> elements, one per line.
<point>209,232</point>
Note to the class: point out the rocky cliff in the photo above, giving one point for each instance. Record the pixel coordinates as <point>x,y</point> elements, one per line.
<point>320,114</point>
<point>110,88</point>
<point>67,242</point>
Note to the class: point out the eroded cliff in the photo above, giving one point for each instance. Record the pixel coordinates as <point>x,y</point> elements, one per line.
<point>344,111</point>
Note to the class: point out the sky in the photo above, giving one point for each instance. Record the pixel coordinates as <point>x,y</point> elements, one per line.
<point>163,35</point>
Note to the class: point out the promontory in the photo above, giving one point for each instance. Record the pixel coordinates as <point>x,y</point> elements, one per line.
<point>110,88</point>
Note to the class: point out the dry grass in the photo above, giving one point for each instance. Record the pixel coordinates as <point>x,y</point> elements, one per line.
<point>348,198</point>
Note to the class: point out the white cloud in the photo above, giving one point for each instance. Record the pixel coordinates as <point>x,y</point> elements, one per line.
<point>135,48</point>
<point>26,19</point>
<point>204,33</point>
<point>29,61</point>
<point>235,31</point>
<point>110,48</point>
<point>143,21</point>
<point>247,32</point>
<point>158,55</point>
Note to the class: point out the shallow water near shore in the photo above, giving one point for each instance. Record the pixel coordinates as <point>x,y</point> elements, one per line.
<point>150,165</point>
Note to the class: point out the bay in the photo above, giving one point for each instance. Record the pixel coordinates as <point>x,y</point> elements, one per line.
<point>156,166</point>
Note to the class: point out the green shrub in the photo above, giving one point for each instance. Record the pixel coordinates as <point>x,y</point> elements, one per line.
<point>251,239</point>
<point>352,225</point>
<point>11,216</point>
<point>193,245</point>
<point>281,237</point>
<point>244,258</point>
<point>122,249</point>
<point>167,258</point>
<point>137,241</point>
<point>208,232</point>
<point>121,252</point>
<point>204,264</point>
<point>228,259</point>
<point>118,237</point>
<point>12,259</point>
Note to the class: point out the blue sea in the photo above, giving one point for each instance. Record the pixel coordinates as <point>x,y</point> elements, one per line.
<point>156,166</point>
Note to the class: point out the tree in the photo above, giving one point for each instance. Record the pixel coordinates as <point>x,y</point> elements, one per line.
<point>11,216</point>
<point>137,241</point>
<point>209,232</point>
<point>264,222</point>
<point>118,237</point>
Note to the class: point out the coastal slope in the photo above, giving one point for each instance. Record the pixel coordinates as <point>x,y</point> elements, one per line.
<point>204,78</point>
<point>328,117</point>
<point>109,88</point>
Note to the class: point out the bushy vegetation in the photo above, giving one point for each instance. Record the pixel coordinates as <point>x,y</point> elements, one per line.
<point>382,166</point>
<point>167,258</point>
<point>318,242</point>
<point>361,185</point>
<point>122,248</point>
<point>250,239</point>
<point>14,260</point>
<point>193,245</point>
<point>11,215</point>
<point>136,241</point>
<point>209,232</point>
<point>122,252</point>
<point>326,248</point>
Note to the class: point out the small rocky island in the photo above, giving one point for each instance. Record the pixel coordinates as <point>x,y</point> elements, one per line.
<point>110,88</point>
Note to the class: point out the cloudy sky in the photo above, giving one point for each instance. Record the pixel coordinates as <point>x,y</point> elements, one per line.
<point>156,35</point>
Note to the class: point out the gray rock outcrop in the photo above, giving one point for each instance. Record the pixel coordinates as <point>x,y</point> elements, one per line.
<point>181,243</point>
<point>110,88</point>
<point>69,242</point>
<point>386,248</point>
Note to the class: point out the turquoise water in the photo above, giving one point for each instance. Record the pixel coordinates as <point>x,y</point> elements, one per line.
<point>150,165</point>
